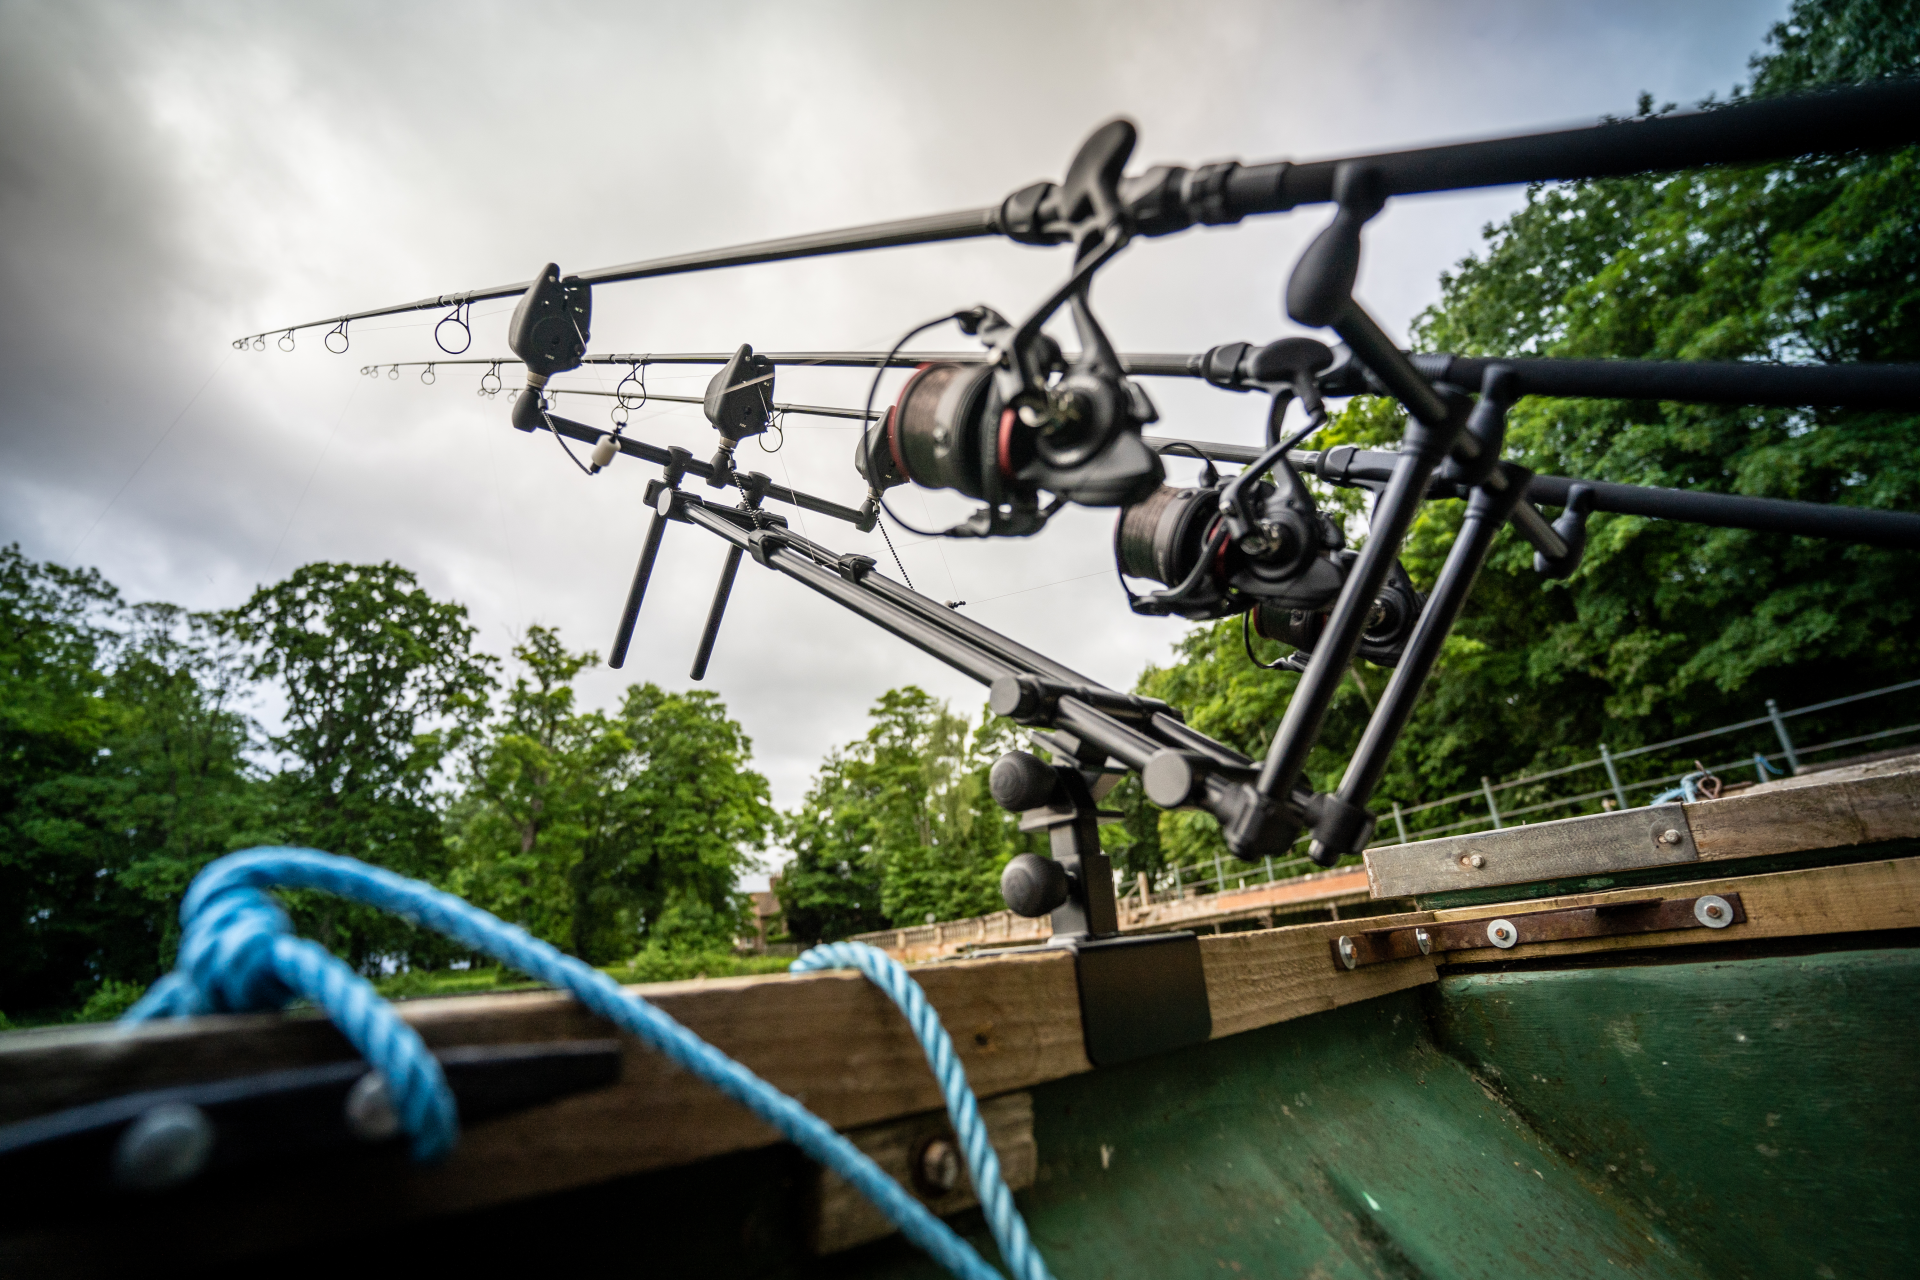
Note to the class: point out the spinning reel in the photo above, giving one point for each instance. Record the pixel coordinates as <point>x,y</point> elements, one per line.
<point>1009,429</point>
<point>1250,543</point>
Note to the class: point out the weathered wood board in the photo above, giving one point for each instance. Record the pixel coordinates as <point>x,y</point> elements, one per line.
<point>840,1218</point>
<point>1835,809</point>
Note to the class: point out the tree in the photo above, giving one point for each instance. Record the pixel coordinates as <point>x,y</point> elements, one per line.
<point>531,793</point>
<point>123,770</point>
<point>899,825</point>
<point>665,866</point>
<point>381,686</point>
<point>604,833</point>
<point>1666,627</point>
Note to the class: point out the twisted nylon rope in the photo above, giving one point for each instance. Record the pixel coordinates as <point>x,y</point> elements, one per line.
<point>239,953</point>
<point>996,1202</point>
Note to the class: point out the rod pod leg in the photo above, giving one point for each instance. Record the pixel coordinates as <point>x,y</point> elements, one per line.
<point>719,609</point>
<point>677,461</point>
<point>1344,822</point>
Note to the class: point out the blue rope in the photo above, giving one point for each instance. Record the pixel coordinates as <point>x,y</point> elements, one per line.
<point>1688,790</point>
<point>996,1202</point>
<point>238,953</point>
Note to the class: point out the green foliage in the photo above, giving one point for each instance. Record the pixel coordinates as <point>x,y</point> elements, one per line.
<point>601,833</point>
<point>1666,627</point>
<point>657,963</point>
<point>381,686</point>
<point>126,766</point>
<point>122,771</point>
<point>110,1001</point>
<point>899,825</point>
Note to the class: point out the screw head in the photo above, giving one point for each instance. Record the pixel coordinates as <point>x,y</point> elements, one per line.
<point>1670,836</point>
<point>938,1168</point>
<point>369,1110</point>
<point>1424,940</point>
<point>166,1146</point>
<point>1713,911</point>
<point>1349,955</point>
<point>1473,860</point>
<point>1502,934</point>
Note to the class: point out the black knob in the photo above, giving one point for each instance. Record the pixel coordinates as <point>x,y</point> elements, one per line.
<point>1021,780</point>
<point>1033,885</point>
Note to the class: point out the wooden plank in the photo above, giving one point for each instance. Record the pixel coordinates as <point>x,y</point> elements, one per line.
<point>1596,843</point>
<point>1259,978</point>
<point>840,1218</point>
<point>1869,803</point>
<point>830,1039</point>
<point>1863,804</point>
<point>1815,902</point>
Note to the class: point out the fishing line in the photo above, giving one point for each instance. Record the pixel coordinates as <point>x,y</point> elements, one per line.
<point>73,554</point>
<point>1097,573</point>
<point>294,514</point>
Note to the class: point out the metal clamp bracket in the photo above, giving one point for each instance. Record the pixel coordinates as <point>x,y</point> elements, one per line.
<point>1613,919</point>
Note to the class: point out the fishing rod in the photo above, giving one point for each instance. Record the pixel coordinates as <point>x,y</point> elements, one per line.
<point>1168,198</point>
<point>1237,366</point>
<point>1025,427</point>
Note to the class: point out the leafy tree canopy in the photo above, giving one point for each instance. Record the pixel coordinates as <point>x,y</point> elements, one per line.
<point>899,825</point>
<point>1666,627</point>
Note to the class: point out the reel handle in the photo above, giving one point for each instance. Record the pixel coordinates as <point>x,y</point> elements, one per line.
<point>677,461</point>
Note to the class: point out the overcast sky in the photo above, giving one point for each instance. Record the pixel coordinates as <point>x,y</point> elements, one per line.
<point>172,176</point>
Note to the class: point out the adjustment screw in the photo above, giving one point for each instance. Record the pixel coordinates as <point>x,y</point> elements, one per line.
<point>1670,836</point>
<point>369,1111</point>
<point>938,1169</point>
<point>1032,886</point>
<point>1020,780</point>
<point>168,1145</point>
<point>1473,860</point>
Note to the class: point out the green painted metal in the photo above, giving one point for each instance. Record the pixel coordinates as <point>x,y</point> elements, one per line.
<point>1721,1118</point>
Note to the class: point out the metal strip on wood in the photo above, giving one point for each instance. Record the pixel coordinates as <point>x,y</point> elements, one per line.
<point>1603,920</point>
<point>1652,837</point>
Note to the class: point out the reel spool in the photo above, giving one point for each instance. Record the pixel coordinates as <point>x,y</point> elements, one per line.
<point>949,429</point>
<point>1389,626</point>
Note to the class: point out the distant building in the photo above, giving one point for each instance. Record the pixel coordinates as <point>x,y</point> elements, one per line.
<point>769,918</point>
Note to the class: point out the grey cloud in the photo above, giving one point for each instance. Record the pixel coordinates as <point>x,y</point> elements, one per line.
<point>173,175</point>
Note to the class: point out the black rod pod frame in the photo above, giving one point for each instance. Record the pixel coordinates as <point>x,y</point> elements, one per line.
<point>1139,994</point>
<point>1320,293</point>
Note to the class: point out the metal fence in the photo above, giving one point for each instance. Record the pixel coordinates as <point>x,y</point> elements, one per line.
<point>1790,758</point>
<point>1618,792</point>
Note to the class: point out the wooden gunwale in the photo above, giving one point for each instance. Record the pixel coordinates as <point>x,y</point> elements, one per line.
<point>834,1042</point>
